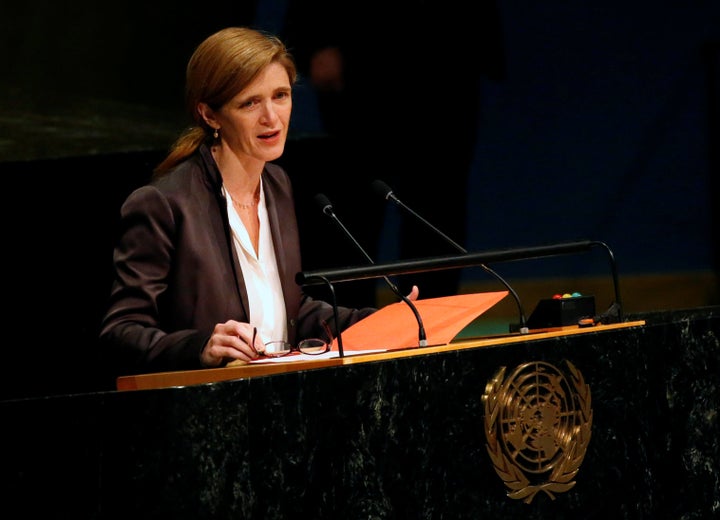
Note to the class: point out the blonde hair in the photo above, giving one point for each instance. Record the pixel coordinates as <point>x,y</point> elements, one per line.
<point>221,66</point>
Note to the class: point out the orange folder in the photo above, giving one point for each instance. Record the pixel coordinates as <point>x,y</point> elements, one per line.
<point>394,326</point>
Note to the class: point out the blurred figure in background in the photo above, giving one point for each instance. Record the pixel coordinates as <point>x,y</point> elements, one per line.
<point>398,92</point>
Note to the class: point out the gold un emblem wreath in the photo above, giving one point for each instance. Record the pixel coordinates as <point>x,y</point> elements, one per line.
<point>537,425</point>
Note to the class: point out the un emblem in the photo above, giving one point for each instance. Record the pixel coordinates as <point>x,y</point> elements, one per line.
<point>537,425</point>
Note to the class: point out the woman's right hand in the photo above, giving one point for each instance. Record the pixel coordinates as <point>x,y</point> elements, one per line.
<point>229,341</point>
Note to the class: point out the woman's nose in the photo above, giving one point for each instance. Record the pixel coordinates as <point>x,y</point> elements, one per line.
<point>269,115</point>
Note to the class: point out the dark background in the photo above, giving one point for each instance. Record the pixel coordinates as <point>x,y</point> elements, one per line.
<point>606,126</point>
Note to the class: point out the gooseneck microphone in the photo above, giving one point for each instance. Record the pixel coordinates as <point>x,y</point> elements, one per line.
<point>327,208</point>
<point>386,192</point>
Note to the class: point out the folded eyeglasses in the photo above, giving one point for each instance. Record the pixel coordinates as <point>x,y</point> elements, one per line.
<point>311,346</point>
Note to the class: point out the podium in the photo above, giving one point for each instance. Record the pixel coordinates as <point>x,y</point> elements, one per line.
<point>391,435</point>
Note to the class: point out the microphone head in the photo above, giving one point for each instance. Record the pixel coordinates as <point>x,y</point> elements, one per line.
<point>382,189</point>
<point>324,203</point>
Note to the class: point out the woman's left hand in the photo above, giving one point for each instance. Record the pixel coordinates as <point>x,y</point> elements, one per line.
<point>414,293</point>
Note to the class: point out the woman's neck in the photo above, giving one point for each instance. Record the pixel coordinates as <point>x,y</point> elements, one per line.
<point>241,176</point>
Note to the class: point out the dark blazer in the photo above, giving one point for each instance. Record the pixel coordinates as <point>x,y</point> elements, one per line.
<point>177,273</point>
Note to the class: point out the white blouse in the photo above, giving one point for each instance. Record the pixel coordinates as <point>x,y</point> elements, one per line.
<point>267,305</point>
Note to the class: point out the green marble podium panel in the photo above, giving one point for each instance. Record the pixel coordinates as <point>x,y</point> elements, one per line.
<point>395,439</point>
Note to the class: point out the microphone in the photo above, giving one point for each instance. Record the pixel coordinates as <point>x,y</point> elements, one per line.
<point>386,192</point>
<point>327,208</point>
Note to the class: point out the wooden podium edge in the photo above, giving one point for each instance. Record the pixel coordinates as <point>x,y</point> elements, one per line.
<point>183,378</point>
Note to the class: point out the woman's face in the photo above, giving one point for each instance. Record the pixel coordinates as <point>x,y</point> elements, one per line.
<point>255,122</point>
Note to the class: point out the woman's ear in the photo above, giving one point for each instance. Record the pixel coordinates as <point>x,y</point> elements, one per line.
<point>208,115</point>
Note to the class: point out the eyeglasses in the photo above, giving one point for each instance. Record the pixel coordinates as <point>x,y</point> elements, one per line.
<point>311,346</point>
